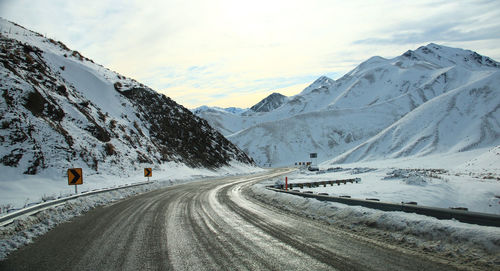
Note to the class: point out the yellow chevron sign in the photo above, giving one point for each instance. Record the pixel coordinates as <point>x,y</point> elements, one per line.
<point>75,176</point>
<point>148,172</point>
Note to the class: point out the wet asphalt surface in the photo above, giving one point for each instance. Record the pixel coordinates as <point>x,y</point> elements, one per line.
<point>207,225</point>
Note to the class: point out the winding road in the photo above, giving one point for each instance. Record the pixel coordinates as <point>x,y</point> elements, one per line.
<point>207,225</point>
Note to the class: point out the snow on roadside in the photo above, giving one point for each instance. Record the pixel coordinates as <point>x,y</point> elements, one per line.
<point>469,179</point>
<point>428,187</point>
<point>18,191</point>
<point>24,229</point>
<point>461,242</point>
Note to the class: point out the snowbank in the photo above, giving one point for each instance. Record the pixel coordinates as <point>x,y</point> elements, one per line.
<point>17,191</point>
<point>468,179</point>
<point>449,238</point>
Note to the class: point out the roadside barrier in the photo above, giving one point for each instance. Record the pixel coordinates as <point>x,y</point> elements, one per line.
<point>317,184</point>
<point>483,219</point>
<point>9,217</point>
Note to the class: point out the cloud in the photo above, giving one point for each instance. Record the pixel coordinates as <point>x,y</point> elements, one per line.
<point>211,92</point>
<point>209,52</point>
<point>454,21</point>
<point>435,33</point>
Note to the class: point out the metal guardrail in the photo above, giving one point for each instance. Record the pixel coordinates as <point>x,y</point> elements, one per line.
<point>323,183</point>
<point>483,219</point>
<point>36,207</point>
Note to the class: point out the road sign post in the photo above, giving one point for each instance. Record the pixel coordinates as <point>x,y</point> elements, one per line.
<point>313,155</point>
<point>75,177</point>
<point>148,172</point>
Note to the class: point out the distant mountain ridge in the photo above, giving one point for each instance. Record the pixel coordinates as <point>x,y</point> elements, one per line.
<point>231,110</point>
<point>336,118</point>
<point>59,109</point>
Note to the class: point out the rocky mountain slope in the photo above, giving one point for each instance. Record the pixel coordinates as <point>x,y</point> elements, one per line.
<point>346,116</point>
<point>59,109</point>
<point>269,103</point>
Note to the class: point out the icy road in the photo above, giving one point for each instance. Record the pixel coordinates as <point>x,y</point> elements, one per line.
<point>207,225</point>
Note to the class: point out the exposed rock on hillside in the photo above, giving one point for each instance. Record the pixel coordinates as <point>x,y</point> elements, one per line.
<point>59,109</point>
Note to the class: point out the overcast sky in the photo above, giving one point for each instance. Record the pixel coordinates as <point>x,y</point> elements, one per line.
<point>234,53</point>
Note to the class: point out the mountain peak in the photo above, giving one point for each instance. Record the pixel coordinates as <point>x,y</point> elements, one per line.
<point>323,80</point>
<point>448,56</point>
<point>270,103</point>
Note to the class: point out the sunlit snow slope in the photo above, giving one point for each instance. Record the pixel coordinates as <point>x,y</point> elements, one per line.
<point>434,99</point>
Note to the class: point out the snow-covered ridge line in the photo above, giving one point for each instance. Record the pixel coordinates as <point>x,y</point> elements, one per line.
<point>6,219</point>
<point>334,117</point>
<point>477,218</point>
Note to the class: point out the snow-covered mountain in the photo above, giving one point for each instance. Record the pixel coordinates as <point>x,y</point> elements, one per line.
<point>462,119</point>
<point>346,117</point>
<point>231,120</point>
<point>60,110</point>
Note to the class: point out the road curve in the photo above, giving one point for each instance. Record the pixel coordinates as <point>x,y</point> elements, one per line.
<point>207,225</point>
